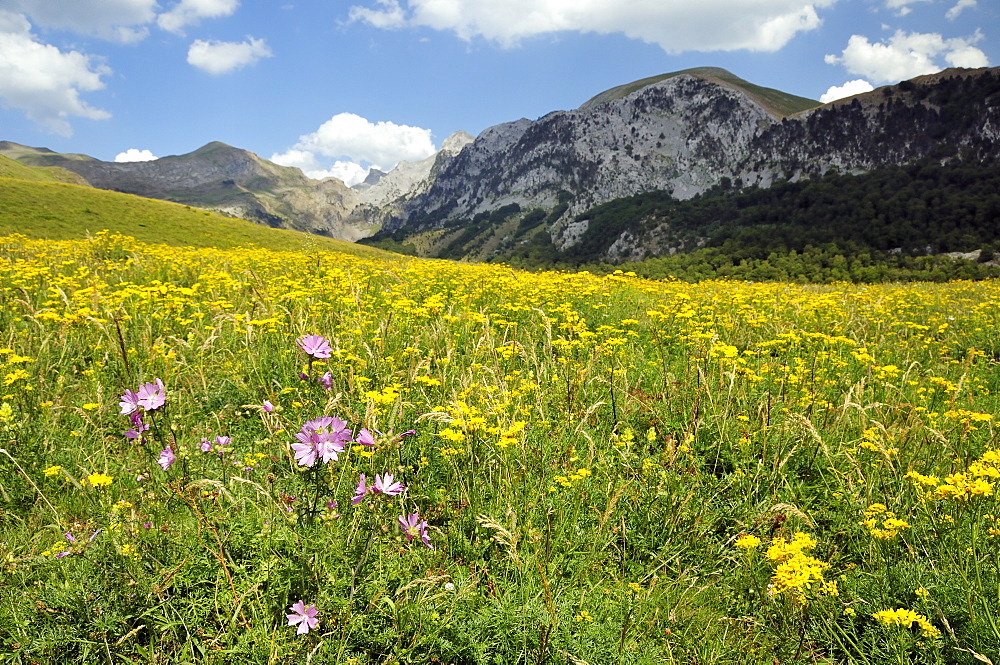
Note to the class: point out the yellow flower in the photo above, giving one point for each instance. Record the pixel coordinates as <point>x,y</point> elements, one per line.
<point>882,523</point>
<point>52,471</point>
<point>905,618</point>
<point>99,480</point>
<point>748,542</point>
<point>796,572</point>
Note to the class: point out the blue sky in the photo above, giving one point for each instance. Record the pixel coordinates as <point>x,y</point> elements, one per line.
<point>337,86</point>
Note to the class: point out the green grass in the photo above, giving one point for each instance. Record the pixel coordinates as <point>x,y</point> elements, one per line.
<point>60,211</point>
<point>612,470</point>
<point>587,452</point>
<point>13,169</point>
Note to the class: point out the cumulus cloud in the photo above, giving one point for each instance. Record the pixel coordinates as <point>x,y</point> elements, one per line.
<point>676,26</point>
<point>135,155</point>
<point>959,7</point>
<point>190,12</point>
<point>217,57</point>
<point>907,55</point>
<point>390,15</point>
<point>44,82</point>
<point>855,87</point>
<point>901,7</point>
<point>351,173</point>
<point>351,145</point>
<point>114,20</point>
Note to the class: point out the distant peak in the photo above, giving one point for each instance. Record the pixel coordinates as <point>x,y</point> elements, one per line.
<point>212,147</point>
<point>775,101</point>
<point>457,141</point>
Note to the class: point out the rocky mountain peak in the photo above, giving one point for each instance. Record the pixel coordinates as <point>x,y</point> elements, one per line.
<point>456,141</point>
<point>683,134</point>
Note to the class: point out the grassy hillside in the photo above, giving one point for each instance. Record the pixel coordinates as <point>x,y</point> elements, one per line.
<point>61,211</point>
<point>777,102</point>
<point>10,168</point>
<point>37,156</point>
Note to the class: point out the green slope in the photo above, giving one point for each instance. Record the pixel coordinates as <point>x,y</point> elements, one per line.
<point>60,211</point>
<point>10,168</point>
<point>38,156</point>
<point>778,103</point>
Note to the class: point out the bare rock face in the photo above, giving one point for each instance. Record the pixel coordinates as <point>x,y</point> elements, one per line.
<point>681,134</point>
<point>686,133</point>
<point>388,192</point>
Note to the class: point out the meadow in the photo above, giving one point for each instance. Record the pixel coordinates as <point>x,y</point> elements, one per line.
<point>251,455</point>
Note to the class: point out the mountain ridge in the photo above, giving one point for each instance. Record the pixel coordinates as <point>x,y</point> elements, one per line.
<point>682,133</point>
<point>779,103</point>
<point>225,179</point>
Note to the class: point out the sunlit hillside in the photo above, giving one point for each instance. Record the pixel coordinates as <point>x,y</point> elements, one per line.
<point>229,455</point>
<point>41,208</point>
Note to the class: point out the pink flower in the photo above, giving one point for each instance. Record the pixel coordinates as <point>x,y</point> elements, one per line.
<point>304,616</point>
<point>361,491</point>
<point>365,437</point>
<point>414,527</point>
<point>138,428</point>
<point>268,407</point>
<point>315,345</point>
<point>384,484</point>
<point>326,381</point>
<point>151,396</point>
<point>129,402</point>
<point>166,458</point>
<point>322,438</point>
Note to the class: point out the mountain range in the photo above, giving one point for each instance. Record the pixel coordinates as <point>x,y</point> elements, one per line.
<point>682,135</point>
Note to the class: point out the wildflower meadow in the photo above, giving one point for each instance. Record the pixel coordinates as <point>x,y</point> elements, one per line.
<point>255,456</point>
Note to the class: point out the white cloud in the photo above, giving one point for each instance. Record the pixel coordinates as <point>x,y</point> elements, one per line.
<point>44,82</point>
<point>190,12</point>
<point>351,173</point>
<point>217,57</point>
<point>855,87</point>
<point>135,155</point>
<point>959,7</point>
<point>351,145</point>
<point>902,7</point>
<point>389,17</point>
<point>115,20</point>
<point>907,55</point>
<point>674,25</point>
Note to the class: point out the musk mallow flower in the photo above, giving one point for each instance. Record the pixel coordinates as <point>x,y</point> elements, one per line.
<point>361,491</point>
<point>136,430</point>
<point>316,346</point>
<point>129,402</point>
<point>166,458</point>
<point>365,437</point>
<point>384,484</point>
<point>326,381</point>
<point>414,527</point>
<point>151,396</point>
<point>304,616</point>
<point>322,438</point>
